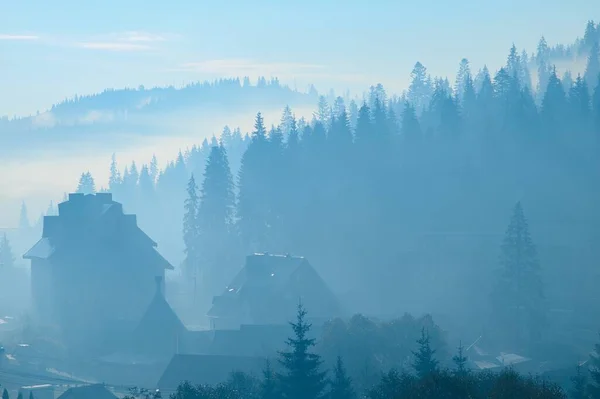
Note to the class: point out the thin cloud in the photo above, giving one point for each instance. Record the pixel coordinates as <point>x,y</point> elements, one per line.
<point>18,37</point>
<point>124,41</point>
<point>114,46</point>
<point>135,36</point>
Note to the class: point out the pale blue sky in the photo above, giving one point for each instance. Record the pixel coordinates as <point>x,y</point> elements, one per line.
<point>51,49</point>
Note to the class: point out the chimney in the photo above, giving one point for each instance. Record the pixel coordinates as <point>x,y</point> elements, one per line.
<point>158,280</point>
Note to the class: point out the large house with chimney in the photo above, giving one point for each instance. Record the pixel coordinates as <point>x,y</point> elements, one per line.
<point>93,271</point>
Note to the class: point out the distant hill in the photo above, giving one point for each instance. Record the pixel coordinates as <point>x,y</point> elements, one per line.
<point>145,111</point>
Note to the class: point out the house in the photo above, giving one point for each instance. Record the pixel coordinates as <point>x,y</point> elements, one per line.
<point>95,391</point>
<point>267,291</point>
<point>206,370</point>
<point>93,270</point>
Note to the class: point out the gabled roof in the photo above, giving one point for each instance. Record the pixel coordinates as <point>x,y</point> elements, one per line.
<point>92,218</point>
<point>96,391</point>
<point>267,282</point>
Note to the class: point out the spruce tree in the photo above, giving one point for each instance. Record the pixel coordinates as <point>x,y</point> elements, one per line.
<point>460,360</point>
<point>463,74</point>
<point>86,184</point>
<point>268,387</point>
<point>579,387</point>
<point>424,362</point>
<point>592,70</point>
<point>596,107</point>
<point>518,296</point>
<point>24,217</point>
<point>114,180</point>
<point>215,217</point>
<point>411,128</point>
<point>190,228</point>
<point>302,378</point>
<point>594,368</point>
<point>7,258</point>
<point>154,169</point>
<point>341,384</point>
<point>5,394</point>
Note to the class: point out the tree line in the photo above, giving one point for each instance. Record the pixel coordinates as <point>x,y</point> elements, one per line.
<point>361,185</point>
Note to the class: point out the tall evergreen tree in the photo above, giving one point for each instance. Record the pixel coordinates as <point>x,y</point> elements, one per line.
<point>594,368</point>
<point>269,385</point>
<point>579,381</point>
<point>302,378</point>
<point>596,107</point>
<point>460,360</point>
<point>24,223</point>
<point>464,73</point>
<point>5,394</point>
<point>518,296</point>
<point>419,90</point>
<point>7,259</point>
<point>154,169</point>
<point>86,184</point>
<point>554,105</point>
<point>114,180</point>
<point>592,69</point>
<point>411,128</point>
<point>341,384</point>
<point>424,361</point>
<point>253,208</point>
<point>190,229</point>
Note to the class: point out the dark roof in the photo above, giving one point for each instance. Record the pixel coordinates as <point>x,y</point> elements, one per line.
<point>275,281</point>
<point>160,329</point>
<point>206,369</point>
<point>96,391</point>
<point>92,218</point>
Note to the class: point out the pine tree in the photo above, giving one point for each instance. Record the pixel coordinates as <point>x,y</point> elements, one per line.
<point>579,388</point>
<point>7,258</point>
<point>554,104</point>
<point>24,218</point>
<point>323,113</point>
<point>341,384</point>
<point>114,180</point>
<point>596,107</point>
<point>464,72</point>
<point>5,394</point>
<point>146,184</point>
<point>460,360</point>
<point>411,128</point>
<point>268,386</point>
<point>286,121</point>
<point>302,378</point>
<point>424,362</point>
<point>518,296</point>
<point>419,91</point>
<point>190,228</point>
<point>86,184</point>
<point>154,169</point>
<point>592,70</point>
<point>217,200</point>
<point>20,395</point>
<point>594,368</point>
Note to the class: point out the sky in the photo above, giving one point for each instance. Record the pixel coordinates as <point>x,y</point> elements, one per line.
<point>54,49</point>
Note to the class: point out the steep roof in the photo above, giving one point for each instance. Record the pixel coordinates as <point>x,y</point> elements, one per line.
<point>271,281</point>
<point>96,391</point>
<point>160,329</point>
<point>92,219</point>
<point>206,369</point>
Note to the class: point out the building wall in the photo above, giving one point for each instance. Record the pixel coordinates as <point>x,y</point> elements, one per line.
<point>42,291</point>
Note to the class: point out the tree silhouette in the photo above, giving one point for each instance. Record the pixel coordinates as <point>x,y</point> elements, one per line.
<point>302,378</point>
